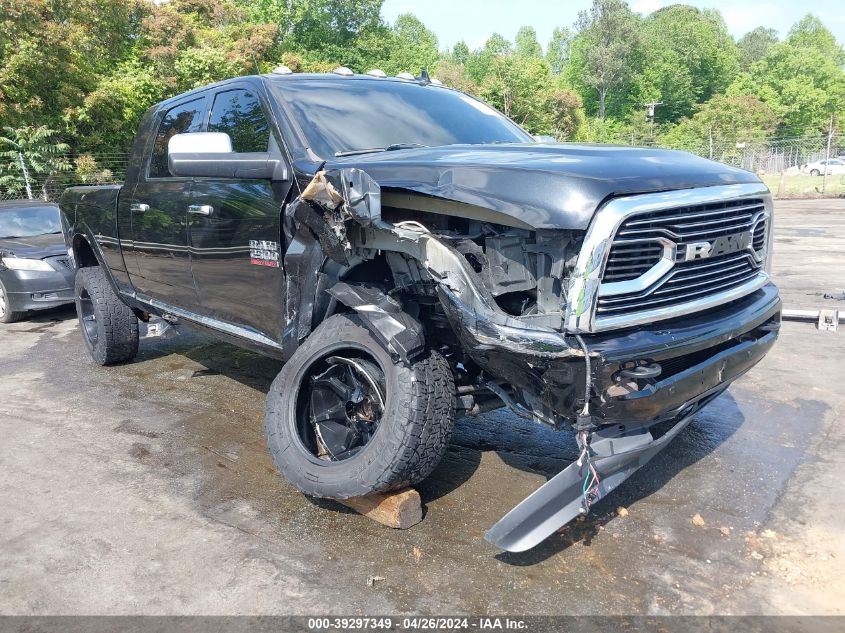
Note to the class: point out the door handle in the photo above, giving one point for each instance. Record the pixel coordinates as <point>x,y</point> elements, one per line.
<point>201,209</point>
<point>139,207</point>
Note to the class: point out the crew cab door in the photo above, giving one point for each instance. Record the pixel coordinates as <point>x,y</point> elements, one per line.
<point>157,255</point>
<point>234,225</point>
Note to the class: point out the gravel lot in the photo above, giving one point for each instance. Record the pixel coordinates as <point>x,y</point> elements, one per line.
<point>147,488</point>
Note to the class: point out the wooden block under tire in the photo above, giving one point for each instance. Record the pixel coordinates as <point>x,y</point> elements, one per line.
<point>401,509</point>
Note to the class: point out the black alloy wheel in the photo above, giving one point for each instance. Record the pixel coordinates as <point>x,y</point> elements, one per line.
<point>87,317</point>
<point>341,406</point>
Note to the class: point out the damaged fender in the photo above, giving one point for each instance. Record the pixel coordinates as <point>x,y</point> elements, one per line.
<point>315,226</point>
<point>398,331</point>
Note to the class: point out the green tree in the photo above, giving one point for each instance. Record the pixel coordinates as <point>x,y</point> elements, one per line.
<point>480,62</point>
<point>526,43</point>
<point>729,119</point>
<point>29,155</point>
<point>687,57</point>
<point>810,32</point>
<point>414,47</point>
<point>460,53</point>
<point>53,53</point>
<point>607,37</point>
<point>557,52</point>
<point>566,113</point>
<point>454,75</point>
<point>328,24</point>
<point>109,115</point>
<point>754,45</point>
<point>801,78</point>
<point>523,89</point>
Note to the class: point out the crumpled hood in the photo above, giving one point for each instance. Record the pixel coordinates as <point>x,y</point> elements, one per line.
<point>545,186</point>
<point>34,247</point>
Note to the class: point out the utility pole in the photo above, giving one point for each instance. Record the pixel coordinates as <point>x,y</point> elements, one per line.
<point>827,153</point>
<point>649,114</point>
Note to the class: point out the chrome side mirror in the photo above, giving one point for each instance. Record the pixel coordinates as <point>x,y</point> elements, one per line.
<point>210,155</point>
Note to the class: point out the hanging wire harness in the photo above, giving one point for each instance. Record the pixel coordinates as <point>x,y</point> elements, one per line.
<point>590,489</point>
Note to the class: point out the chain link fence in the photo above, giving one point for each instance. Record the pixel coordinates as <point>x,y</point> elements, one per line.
<point>770,158</point>
<point>26,178</point>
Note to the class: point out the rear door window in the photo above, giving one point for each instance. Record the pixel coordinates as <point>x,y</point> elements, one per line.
<point>183,118</point>
<point>238,113</point>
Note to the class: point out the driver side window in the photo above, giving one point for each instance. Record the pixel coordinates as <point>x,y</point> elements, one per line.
<point>238,113</point>
<point>185,117</point>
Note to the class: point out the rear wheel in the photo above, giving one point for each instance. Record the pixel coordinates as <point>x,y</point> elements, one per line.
<point>7,315</point>
<point>343,420</point>
<point>109,327</point>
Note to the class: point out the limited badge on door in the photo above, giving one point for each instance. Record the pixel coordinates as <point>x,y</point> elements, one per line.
<point>264,253</point>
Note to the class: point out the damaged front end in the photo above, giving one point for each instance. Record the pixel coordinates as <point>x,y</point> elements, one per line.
<point>517,309</point>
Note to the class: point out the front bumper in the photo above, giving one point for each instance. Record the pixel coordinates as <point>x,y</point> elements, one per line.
<point>696,354</point>
<point>633,418</point>
<point>38,290</point>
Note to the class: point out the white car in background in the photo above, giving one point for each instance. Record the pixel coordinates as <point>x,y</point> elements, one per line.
<point>832,166</point>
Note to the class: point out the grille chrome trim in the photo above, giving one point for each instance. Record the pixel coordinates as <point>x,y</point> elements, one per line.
<point>585,283</point>
<point>651,276</point>
<point>668,312</point>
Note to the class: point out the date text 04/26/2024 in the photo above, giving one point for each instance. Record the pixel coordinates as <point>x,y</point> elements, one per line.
<point>417,624</point>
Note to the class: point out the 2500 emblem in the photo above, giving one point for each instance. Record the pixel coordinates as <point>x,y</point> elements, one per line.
<point>720,246</point>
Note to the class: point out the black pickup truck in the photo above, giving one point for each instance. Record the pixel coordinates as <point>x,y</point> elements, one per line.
<point>412,255</point>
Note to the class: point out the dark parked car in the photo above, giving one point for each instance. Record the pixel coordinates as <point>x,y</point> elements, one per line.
<point>413,256</point>
<point>35,270</point>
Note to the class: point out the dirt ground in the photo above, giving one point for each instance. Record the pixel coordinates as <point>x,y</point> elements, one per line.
<point>147,489</point>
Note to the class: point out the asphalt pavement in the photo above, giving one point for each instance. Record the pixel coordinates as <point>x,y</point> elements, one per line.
<point>147,488</point>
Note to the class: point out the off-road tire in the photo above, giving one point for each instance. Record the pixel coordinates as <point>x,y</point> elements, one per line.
<point>116,324</point>
<point>413,433</point>
<point>7,315</point>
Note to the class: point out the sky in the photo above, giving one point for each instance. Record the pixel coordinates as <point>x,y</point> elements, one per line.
<point>475,20</point>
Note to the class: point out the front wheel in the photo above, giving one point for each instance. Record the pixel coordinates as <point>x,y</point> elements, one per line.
<point>109,327</point>
<point>7,315</point>
<point>343,420</point>
<point>815,172</point>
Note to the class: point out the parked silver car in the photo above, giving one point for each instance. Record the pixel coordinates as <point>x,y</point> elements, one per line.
<point>833,166</point>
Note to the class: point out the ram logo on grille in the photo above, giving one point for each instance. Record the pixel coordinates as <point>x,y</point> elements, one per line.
<point>723,245</point>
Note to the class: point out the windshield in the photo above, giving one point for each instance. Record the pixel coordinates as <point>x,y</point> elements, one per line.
<point>29,221</point>
<point>345,115</point>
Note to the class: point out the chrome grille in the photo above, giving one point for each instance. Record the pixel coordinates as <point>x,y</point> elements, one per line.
<point>630,260</point>
<point>639,246</point>
<point>687,281</point>
<point>655,256</point>
<point>759,241</point>
<point>692,223</point>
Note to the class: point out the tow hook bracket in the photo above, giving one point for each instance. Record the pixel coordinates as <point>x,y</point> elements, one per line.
<point>158,327</point>
<point>639,372</point>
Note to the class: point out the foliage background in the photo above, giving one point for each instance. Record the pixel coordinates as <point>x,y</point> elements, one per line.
<point>78,74</point>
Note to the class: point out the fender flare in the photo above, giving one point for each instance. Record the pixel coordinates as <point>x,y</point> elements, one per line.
<point>85,235</point>
<point>400,333</point>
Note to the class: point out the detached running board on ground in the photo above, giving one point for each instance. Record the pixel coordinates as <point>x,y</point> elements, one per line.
<point>615,456</point>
